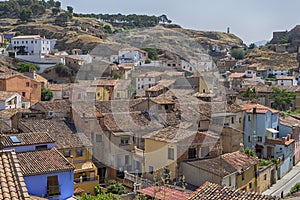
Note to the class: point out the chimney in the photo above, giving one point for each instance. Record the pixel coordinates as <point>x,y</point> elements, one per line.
<point>254,110</point>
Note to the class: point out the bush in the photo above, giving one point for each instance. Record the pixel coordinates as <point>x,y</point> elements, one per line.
<point>295,188</point>
<point>116,188</point>
<point>46,95</point>
<point>26,67</point>
<point>250,152</point>
<point>237,53</point>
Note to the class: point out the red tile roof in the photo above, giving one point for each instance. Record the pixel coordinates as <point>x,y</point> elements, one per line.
<point>43,162</point>
<point>260,109</point>
<point>164,192</point>
<point>12,185</point>
<point>27,139</point>
<point>212,191</point>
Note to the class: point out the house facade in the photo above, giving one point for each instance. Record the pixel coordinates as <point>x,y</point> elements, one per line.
<point>10,100</point>
<point>32,45</point>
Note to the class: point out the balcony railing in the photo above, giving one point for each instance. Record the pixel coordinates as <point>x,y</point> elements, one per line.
<point>86,179</point>
<point>53,190</point>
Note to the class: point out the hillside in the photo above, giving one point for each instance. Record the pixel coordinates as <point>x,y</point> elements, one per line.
<point>266,57</point>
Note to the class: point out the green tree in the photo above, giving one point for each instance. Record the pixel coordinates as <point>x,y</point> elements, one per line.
<point>70,9</point>
<point>62,19</point>
<point>117,76</point>
<point>252,46</point>
<point>46,94</point>
<point>26,67</point>
<point>250,93</point>
<point>108,196</point>
<point>25,14</point>
<point>37,9</point>
<point>152,53</point>
<point>116,188</point>
<point>57,4</point>
<point>55,11</point>
<point>62,70</point>
<point>282,98</point>
<point>237,53</point>
<point>250,152</point>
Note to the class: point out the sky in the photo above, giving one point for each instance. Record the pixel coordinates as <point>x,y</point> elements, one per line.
<point>251,20</point>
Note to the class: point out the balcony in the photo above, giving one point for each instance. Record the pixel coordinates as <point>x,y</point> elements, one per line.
<point>53,190</point>
<point>86,179</point>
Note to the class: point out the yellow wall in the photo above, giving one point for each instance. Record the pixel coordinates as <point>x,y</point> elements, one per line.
<point>102,94</point>
<point>156,155</point>
<point>249,177</point>
<point>264,184</point>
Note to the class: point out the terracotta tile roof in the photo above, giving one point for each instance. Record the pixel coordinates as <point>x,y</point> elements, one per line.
<point>8,113</point>
<point>27,139</point>
<point>62,131</point>
<point>164,192</point>
<point>231,163</point>
<point>5,128</point>
<point>237,75</point>
<point>260,109</point>
<point>4,95</point>
<point>175,134</point>
<point>289,121</point>
<point>104,82</point>
<point>12,185</point>
<point>59,87</point>
<point>161,100</point>
<point>130,122</point>
<point>57,106</point>
<point>212,191</point>
<point>43,162</point>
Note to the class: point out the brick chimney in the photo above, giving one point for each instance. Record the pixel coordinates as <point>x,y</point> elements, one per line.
<point>295,132</point>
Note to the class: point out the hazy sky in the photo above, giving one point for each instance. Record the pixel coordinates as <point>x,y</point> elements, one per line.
<point>251,20</point>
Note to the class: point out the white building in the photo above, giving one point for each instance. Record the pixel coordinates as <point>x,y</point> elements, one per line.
<point>10,100</point>
<point>204,63</point>
<point>145,81</point>
<point>131,56</point>
<point>33,44</point>
<point>287,80</point>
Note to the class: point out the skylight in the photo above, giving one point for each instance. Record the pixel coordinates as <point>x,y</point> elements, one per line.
<point>15,139</point>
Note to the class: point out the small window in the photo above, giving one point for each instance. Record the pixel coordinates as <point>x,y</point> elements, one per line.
<point>249,138</point>
<point>35,86</point>
<point>259,138</point>
<point>35,42</point>
<point>67,153</point>
<point>240,120</point>
<point>232,120</point>
<point>125,140</point>
<point>170,153</point>
<point>265,177</point>
<point>250,185</point>
<point>99,138</point>
<point>41,147</point>
<point>23,94</point>
<point>230,181</point>
<point>243,176</point>
<point>52,186</point>
<point>126,159</point>
<point>79,152</point>
<point>31,41</point>
<point>249,118</point>
<point>27,84</point>
<point>149,79</point>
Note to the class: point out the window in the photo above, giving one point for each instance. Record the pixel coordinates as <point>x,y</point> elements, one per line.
<point>67,153</point>
<point>99,138</point>
<point>265,177</point>
<point>232,120</point>
<point>35,86</point>
<point>125,140</point>
<point>79,96</point>
<point>52,186</point>
<point>170,153</point>
<point>243,176</point>
<point>240,120</point>
<point>27,84</point>
<point>149,79</point>
<point>31,41</point>
<point>249,138</point>
<point>79,152</point>
<point>22,42</point>
<point>41,147</point>
<point>151,169</point>
<point>35,42</point>
<point>250,185</point>
<point>192,153</point>
<point>23,94</point>
<point>26,42</point>
<point>229,180</point>
<point>249,118</point>
<point>259,138</point>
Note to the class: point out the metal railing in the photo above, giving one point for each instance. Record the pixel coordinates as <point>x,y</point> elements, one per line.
<point>86,179</point>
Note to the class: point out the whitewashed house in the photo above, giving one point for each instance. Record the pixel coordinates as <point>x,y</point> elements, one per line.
<point>204,63</point>
<point>132,56</point>
<point>10,100</point>
<point>33,44</point>
<point>287,80</point>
